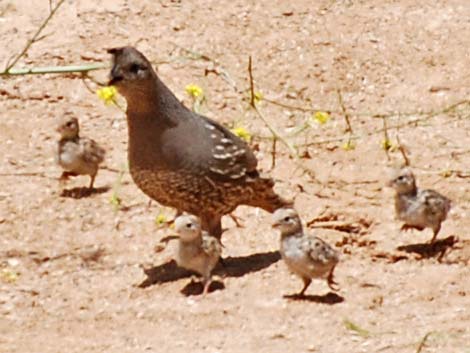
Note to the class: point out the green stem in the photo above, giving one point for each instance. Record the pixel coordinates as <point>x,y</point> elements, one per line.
<point>53,69</point>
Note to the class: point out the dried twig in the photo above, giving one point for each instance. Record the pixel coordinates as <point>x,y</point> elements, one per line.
<point>344,111</point>
<point>276,135</point>
<point>386,142</point>
<point>349,129</point>
<point>39,174</point>
<point>35,38</point>
<point>273,153</point>
<point>218,69</point>
<point>402,150</point>
<point>423,342</point>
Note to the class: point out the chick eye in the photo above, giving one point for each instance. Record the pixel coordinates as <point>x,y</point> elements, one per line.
<point>401,178</point>
<point>188,225</point>
<point>69,124</point>
<point>286,219</point>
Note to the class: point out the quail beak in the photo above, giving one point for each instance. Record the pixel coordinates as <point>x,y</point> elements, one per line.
<point>116,76</point>
<point>116,72</point>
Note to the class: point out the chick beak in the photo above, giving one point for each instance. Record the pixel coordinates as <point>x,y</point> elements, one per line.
<point>276,225</point>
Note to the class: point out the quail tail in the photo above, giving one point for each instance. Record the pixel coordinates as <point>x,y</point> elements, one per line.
<point>265,197</point>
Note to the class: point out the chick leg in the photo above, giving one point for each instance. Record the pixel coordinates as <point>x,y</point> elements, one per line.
<point>307,282</point>
<point>331,281</point>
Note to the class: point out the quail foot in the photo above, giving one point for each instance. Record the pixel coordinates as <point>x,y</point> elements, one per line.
<point>77,155</point>
<point>417,208</point>
<point>182,159</point>
<point>197,250</point>
<point>305,255</point>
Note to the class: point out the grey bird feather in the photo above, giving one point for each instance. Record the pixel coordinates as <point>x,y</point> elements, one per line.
<point>182,159</point>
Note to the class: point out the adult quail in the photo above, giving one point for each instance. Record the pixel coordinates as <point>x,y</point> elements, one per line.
<point>417,208</point>
<point>306,255</point>
<point>77,155</point>
<point>197,250</point>
<point>182,159</point>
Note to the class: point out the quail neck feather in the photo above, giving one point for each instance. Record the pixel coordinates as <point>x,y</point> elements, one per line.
<point>182,159</point>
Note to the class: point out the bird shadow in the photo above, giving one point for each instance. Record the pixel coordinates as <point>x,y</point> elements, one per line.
<point>330,298</point>
<point>197,288</point>
<point>428,250</point>
<point>230,267</point>
<point>240,266</point>
<point>82,192</point>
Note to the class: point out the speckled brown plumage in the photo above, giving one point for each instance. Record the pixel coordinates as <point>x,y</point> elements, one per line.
<point>305,255</point>
<point>75,154</point>
<point>418,208</point>
<point>182,159</point>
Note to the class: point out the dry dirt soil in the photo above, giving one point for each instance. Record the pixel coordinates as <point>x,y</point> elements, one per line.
<point>85,273</point>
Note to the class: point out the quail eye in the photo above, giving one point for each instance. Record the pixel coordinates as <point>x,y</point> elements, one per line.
<point>69,124</point>
<point>401,178</point>
<point>135,68</point>
<point>188,225</point>
<point>286,219</point>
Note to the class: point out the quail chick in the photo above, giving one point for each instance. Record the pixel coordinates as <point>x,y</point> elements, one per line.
<point>197,250</point>
<point>418,208</point>
<point>306,255</point>
<point>182,159</point>
<point>77,155</point>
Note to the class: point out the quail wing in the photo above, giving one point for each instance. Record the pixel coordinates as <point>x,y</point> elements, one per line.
<point>232,158</point>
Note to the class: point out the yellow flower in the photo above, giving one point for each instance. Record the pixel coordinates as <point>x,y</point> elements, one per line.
<point>243,133</point>
<point>446,173</point>
<point>348,146</point>
<point>194,91</point>
<point>321,117</point>
<point>258,97</point>
<point>8,275</point>
<point>107,94</point>
<point>115,201</point>
<point>386,144</point>
<point>161,219</point>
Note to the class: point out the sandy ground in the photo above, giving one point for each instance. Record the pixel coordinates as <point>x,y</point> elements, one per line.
<point>82,274</point>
